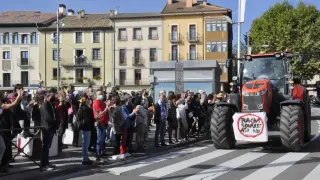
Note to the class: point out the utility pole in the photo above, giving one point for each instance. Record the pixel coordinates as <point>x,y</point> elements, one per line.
<point>58,51</point>
<point>239,36</point>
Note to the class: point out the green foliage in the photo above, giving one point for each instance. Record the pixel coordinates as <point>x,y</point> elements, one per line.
<point>287,28</point>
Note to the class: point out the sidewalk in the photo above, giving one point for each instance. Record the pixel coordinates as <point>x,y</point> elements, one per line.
<point>70,161</point>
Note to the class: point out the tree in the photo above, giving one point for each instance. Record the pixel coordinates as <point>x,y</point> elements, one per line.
<point>287,28</point>
<point>235,50</point>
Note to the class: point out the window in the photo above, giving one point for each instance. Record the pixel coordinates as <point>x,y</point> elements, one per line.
<point>96,72</point>
<point>193,52</point>
<point>6,78</point>
<point>122,56</point>
<point>55,54</point>
<point>15,37</point>
<point>122,75</point>
<point>217,47</point>
<point>55,73</point>
<point>34,38</point>
<point>216,26</point>
<point>174,32</point>
<point>96,37</point>
<point>192,32</point>
<point>24,39</point>
<point>122,34</point>
<point>6,38</point>
<point>25,78</point>
<point>137,34</point>
<point>153,33</point>
<point>24,58</point>
<point>54,37</point>
<point>79,58</point>
<point>137,55</point>
<point>174,53</point>
<point>96,54</point>
<point>137,75</point>
<point>153,54</point>
<point>6,55</point>
<point>79,37</point>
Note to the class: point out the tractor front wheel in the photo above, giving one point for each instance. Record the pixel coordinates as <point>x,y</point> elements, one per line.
<point>221,127</point>
<point>292,128</point>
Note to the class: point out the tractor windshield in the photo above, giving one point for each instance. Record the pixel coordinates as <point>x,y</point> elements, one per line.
<point>265,68</point>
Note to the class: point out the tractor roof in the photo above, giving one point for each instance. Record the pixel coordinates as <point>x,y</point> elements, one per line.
<point>262,54</point>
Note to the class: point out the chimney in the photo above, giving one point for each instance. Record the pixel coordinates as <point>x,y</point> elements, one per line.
<point>204,2</point>
<point>170,1</point>
<point>62,9</point>
<point>70,12</point>
<point>111,13</point>
<point>189,3</point>
<point>81,13</point>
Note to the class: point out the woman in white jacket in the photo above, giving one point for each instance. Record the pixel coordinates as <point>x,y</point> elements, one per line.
<point>182,117</point>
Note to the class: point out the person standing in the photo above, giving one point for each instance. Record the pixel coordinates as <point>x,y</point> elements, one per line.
<point>101,115</point>
<point>118,119</point>
<point>49,124</point>
<point>85,121</point>
<point>172,117</point>
<point>62,118</point>
<point>160,118</point>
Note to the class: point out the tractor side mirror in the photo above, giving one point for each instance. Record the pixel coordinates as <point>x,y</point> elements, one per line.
<point>228,63</point>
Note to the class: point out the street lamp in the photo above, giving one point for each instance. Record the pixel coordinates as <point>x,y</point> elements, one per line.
<point>57,38</point>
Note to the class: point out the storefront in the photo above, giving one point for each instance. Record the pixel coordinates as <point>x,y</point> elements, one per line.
<point>198,75</point>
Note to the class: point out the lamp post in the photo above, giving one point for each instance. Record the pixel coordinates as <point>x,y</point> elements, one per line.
<point>58,51</point>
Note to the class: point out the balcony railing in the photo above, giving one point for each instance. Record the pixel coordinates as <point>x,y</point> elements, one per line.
<point>192,37</point>
<point>137,37</point>
<point>137,61</point>
<point>11,83</point>
<point>153,59</point>
<point>174,57</point>
<point>24,62</point>
<point>153,36</point>
<point>123,61</point>
<point>81,61</point>
<point>194,57</point>
<point>174,38</point>
<point>123,38</point>
<point>132,82</point>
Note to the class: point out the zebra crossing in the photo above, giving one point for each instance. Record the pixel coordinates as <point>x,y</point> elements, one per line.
<point>207,163</point>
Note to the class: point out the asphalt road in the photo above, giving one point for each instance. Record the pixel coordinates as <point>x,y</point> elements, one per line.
<point>202,161</point>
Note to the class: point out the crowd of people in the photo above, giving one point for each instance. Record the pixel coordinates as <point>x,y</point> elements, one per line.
<point>102,117</point>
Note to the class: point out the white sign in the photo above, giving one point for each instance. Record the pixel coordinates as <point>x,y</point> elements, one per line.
<point>242,9</point>
<point>179,77</point>
<point>251,127</point>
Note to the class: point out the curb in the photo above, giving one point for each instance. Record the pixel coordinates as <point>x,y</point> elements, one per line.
<point>35,174</point>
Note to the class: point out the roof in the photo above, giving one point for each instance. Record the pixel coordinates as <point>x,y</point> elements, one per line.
<point>136,15</point>
<point>88,21</point>
<point>179,6</point>
<point>25,17</point>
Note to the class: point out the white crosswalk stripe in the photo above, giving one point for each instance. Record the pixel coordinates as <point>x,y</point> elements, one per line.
<point>199,161</point>
<point>184,164</point>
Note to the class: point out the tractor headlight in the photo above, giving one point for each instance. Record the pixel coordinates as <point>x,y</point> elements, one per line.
<point>259,93</point>
<point>234,78</point>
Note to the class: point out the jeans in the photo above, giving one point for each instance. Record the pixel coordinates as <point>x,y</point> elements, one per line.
<point>101,136</point>
<point>2,147</point>
<point>160,130</point>
<point>86,135</point>
<point>47,137</point>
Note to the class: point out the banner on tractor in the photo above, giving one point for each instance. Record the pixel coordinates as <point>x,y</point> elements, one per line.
<point>251,127</point>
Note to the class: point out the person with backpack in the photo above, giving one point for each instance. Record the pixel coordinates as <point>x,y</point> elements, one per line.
<point>85,122</point>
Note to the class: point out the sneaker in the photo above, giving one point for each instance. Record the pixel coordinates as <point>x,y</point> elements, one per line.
<point>164,144</point>
<point>87,163</point>
<point>42,169</point>
<point>51,166</point>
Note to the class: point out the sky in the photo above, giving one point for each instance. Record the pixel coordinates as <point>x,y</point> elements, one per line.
<point>254,8</point>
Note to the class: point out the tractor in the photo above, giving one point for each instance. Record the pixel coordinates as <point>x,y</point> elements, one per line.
<point>265,96</point>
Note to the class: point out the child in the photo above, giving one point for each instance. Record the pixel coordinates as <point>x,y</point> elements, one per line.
<point>141,127</point>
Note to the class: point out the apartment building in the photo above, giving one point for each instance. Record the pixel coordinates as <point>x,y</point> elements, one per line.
<point>137,42</point>
<point>19,47</point>
<point>85,50</point>
<point>197,30</point>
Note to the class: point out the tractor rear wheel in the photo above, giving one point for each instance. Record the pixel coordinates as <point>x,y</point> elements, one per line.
<point>221,127</point>
<point>292,128</point>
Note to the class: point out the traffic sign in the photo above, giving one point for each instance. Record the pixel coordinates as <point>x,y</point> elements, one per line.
<point>179,77</point>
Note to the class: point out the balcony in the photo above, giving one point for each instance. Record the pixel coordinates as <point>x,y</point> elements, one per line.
<point>122,61</point>
<point>153,37</point>
<point>137,37</point>
<point>174,38</point>
<point>11,83</point>
<point>193,37</point>
<point>132,82</point>
<point>137,61</point>
<point>122,38</point>
<point>174,57</point>
<point>24,62</point>
<point>81,61</point>
<point>194,57</point>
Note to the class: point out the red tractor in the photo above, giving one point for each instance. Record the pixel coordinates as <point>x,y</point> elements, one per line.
<point>269,99</point>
